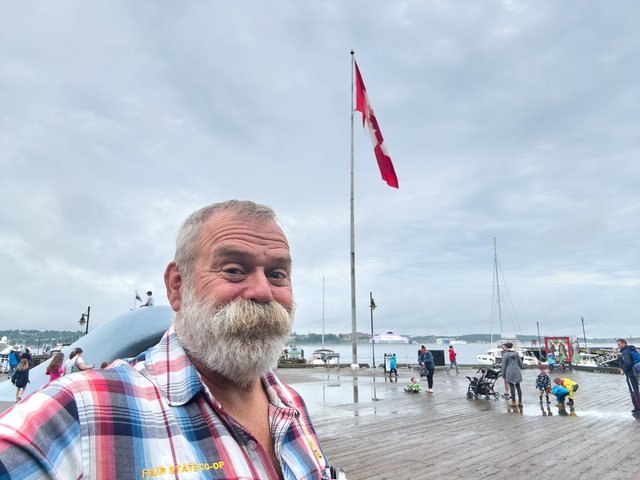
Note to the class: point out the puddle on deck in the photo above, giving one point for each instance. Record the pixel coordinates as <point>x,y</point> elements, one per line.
<point>353,395</point>
<point>349,391</point>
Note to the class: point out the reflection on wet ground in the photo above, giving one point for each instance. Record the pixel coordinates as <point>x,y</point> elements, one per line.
<point>364,419</point>
<point>352,390</point>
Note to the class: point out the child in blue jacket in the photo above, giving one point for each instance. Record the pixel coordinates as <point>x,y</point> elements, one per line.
<point>560,392</point>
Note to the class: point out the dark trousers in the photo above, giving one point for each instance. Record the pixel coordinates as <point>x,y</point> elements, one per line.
<point>512,388</point>
<point>429,371</point>
<point>632,383</point>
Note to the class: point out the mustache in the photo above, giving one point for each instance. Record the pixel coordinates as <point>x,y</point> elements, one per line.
<point>254,320</point>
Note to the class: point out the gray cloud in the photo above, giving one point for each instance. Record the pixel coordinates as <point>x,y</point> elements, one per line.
<point>509,119</point>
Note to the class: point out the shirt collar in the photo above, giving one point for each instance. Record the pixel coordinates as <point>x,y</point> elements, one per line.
<point>169,367</point>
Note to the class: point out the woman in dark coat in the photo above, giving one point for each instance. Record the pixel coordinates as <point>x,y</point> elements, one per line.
<point>512,372</point>
<point>20,378</point>
<point>425,359</point>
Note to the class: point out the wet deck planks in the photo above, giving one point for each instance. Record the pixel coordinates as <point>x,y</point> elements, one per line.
<point>403,436</point>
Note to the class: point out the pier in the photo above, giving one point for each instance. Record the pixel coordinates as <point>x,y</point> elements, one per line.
<point>371,428</point>
<point>374,430</point>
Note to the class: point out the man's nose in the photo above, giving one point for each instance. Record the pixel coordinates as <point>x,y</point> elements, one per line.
<point>258,288</point>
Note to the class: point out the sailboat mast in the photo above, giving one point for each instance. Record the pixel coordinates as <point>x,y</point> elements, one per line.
<point>495,267</point>
<point>323,311</point>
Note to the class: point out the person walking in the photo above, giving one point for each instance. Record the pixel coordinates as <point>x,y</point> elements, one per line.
<point>26,355</point>
<point>54,369</point>
<point>14,360</point>
<point>452,360</point>
<point>20,378</point>
<point>551,360</point>
<point>626,361</point>
<point>425,358</point>
<point>498,365</point>
<point>392,366</point>
<point>512,373</point>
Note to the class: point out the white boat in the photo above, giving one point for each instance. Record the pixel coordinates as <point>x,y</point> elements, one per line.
<point>324,356</point>
<point>587,360</point>
<point>494,355</point>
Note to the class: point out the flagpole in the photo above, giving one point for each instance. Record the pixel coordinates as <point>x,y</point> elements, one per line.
<point>354,333</point>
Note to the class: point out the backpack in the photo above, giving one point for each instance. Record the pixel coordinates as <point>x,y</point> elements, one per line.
<point>635,361</point>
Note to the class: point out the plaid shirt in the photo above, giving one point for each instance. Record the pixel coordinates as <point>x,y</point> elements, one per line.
<point>151,418</point>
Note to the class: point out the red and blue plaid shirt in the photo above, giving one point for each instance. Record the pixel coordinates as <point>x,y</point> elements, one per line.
<point>151,418</point>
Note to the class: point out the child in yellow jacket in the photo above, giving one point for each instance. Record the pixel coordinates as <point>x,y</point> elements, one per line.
<point>569,385</point>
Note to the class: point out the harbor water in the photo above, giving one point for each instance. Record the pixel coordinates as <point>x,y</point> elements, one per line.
<point>467,353</point>
<point>405,353</point>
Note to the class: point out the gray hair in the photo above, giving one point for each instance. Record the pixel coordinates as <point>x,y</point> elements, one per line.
<point>187,242</point>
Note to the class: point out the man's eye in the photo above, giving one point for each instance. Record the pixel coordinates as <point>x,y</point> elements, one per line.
<point>233,271</point>
<point>278,275</point>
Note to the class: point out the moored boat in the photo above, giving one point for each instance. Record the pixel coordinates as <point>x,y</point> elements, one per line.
<point>324,356</point>
<point>494,355</point>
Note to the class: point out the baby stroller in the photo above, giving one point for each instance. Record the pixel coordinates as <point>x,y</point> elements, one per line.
<point>483,384</point>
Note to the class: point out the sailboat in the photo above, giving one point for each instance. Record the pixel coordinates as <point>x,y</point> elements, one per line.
<point>494,354</point>
<point>324,356</point>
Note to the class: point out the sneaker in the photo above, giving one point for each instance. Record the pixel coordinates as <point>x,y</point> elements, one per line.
<point>430,390</point>
<point>505,395</point>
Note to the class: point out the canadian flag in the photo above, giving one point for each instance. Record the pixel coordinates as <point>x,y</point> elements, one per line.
<point>382,156</point>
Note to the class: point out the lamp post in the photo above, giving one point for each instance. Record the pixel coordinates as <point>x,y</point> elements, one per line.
<point>372,306</point>
<point>584,335</point>
<point>84,319</point>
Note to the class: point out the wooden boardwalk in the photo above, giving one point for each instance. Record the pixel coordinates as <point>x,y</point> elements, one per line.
<point>373,430</point>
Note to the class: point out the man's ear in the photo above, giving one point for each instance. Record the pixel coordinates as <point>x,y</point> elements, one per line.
<point>173,283</point>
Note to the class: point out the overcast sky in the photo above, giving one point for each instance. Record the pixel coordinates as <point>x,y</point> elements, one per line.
<point>518,120</point>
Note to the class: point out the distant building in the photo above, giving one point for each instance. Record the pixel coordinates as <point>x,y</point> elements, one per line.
<point>359,336</point>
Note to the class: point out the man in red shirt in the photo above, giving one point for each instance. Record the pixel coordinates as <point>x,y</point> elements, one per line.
<point>452,360</point>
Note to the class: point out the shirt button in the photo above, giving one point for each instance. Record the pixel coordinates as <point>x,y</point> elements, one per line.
<point>251,445</point>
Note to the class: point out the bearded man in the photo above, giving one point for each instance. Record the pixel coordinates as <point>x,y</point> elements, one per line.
<point>203,402</point>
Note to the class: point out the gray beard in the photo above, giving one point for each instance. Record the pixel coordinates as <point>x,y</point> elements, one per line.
<point>240,340</point>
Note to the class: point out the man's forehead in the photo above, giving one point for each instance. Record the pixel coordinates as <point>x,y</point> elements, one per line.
<point>230,250</point>
<point>229,229</point>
